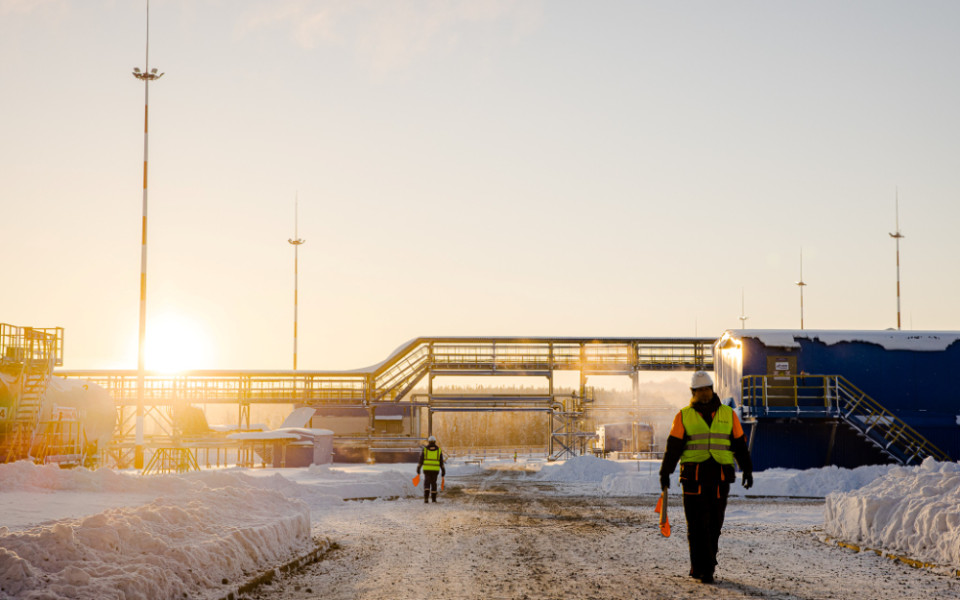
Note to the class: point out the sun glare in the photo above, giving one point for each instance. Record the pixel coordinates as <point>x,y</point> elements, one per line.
<point>175,343</point>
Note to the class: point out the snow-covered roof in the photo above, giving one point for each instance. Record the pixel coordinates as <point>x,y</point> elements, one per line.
<point>264,435</point>
<point>889,339</point>
<point>284,433</point>
<point>299,417</point>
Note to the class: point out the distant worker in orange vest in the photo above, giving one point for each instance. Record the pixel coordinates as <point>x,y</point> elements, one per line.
<point>706,439</point>
<point>431,461</point>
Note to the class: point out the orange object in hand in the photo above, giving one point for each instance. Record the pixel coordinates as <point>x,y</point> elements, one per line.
<point>416,480</point>
<point>662,509</point>
<point>442,480</point>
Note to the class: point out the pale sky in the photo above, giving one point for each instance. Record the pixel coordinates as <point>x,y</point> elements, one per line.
<point>484,167</point>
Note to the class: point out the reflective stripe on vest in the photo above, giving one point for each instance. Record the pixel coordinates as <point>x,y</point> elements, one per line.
<point>431,459</point>
<point>705,442</point>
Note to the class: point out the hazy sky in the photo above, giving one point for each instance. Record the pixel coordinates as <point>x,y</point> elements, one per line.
<point>482,167</point>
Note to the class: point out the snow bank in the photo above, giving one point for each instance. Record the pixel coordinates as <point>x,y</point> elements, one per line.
<point>580,469</point>
<point>87,534</point>
<point>202,533</point>
<point>630,478</point>
<point>914,511</point>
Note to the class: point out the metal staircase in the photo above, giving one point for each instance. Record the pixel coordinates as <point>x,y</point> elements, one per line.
<point>835,396</point>
<point>883,428</point>
<point>30,353</point>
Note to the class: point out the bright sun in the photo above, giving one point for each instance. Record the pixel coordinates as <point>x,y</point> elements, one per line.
<point>175,343</point>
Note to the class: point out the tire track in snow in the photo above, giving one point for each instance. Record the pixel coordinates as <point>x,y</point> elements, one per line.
<point>509,537</point>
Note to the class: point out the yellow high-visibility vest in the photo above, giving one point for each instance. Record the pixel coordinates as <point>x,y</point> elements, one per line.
<point>705,442</point>
<point>431,459</point>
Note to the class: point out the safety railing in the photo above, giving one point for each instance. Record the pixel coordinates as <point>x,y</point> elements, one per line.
<point>394,378</point>
<point>228,387</point>
<point>24,344</point>
<point>835,396</point>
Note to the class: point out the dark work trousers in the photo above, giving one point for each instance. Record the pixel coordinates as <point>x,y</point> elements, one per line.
<point>430,484</point>
<point>704,505</point>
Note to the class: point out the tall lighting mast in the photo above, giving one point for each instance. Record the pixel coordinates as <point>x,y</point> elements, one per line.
<point>146,77</point>
<point>296,242</point>
<point>897,236</point>
<point>801,285</point>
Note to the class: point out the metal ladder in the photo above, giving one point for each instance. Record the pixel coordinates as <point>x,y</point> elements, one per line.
<point>38,362</point>
<point>881,427</point>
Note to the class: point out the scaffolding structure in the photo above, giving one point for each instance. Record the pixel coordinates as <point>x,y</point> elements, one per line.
<point>392,382</point>
<point>28,356</point>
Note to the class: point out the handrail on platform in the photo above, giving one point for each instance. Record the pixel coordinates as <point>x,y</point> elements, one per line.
<point>835,396</point>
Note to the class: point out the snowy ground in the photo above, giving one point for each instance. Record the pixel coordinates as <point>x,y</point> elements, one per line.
<point>584,528</point>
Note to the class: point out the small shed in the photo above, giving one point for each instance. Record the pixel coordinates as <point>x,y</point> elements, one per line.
<point>627,437</point>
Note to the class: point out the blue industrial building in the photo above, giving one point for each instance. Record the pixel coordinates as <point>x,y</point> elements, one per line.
<point>810,398</point>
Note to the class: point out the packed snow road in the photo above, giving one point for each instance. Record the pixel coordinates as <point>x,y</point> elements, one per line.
<point>514,538</point>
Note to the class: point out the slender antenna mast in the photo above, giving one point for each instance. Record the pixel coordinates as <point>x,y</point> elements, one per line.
<point>897,236</point>
<point>146,77</point>
<point>801,285</point>
<point>296,242</point>
<point>743,316</point>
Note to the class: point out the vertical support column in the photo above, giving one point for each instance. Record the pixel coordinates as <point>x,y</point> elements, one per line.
<point>371,430</point>
<point>430,377</point>
<point>550,418</point>
<point>635,386</point>
<point>245,451</point>
<point>553,401</point>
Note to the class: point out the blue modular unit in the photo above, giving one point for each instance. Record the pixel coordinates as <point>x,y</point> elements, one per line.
<point>911,374</point>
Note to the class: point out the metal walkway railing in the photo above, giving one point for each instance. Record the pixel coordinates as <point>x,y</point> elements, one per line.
<point>395,378</point>
<point>835,396</point>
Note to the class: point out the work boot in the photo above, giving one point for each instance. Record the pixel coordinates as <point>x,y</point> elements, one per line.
<point>434,497</point>
<point>707,578</point>
<point>426,497</point>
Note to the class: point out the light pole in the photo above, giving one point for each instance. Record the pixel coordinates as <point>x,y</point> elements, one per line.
<point>801,285</point>
<point>296,242</point>
<point>897,236</point>
<point>146,77</point>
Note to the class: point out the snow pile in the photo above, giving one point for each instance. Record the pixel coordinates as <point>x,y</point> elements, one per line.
<point>812,482</point>
<point>631,478</point>
<point>321,484</point>
<point>202,533</point>
<point>580,469</point>
<point>86,534</point>
<point>914,511</point>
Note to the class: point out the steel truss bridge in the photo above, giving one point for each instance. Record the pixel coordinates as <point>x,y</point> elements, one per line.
<point>393,382</point>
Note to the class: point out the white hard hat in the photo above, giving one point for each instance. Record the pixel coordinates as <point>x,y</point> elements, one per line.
<point>700,379</point>
<point>431,439</point>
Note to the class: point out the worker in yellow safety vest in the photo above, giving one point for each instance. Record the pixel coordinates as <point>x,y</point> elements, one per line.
<point>431,461</point>
<point>706,439</point>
